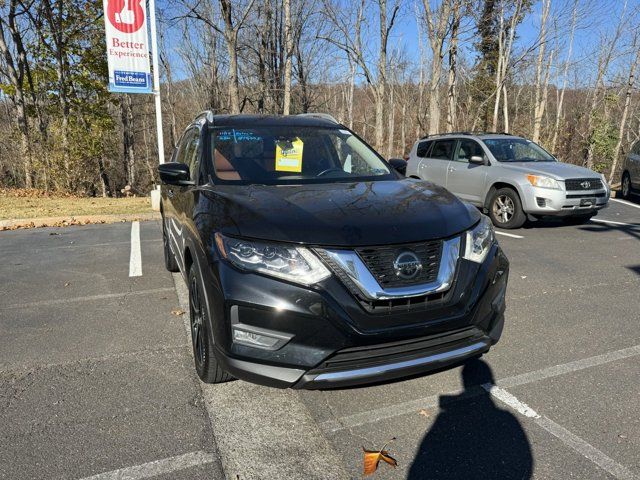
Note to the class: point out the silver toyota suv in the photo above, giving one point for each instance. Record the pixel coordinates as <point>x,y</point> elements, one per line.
<point>510,177</point>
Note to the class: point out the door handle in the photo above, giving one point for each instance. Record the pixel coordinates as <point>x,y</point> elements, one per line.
<point>451,169</point>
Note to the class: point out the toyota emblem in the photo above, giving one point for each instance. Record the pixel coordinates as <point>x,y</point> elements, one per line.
<point>586,184</point>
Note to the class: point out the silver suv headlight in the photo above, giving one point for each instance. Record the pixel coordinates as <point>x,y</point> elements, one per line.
<point>479,240</point>
<point>544,182</point>
<point>288,262</point>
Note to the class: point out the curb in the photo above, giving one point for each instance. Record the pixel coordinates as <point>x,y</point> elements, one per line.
<point>69,220</point>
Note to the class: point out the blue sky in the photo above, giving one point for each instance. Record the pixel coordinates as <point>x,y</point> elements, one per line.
<point>598,17</point>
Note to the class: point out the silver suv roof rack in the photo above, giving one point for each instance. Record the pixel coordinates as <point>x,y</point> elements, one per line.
<point>464,133</point>
<point>324,116</point>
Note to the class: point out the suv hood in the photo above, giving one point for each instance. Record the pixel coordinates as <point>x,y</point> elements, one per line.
<point>338,214</point>
<point>557,170</point>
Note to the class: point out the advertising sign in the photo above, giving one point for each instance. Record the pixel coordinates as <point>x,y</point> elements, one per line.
<point>127,46</point>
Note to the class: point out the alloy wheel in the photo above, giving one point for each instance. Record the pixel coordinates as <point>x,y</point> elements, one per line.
<point>197,321</point>
<point>503,208</point>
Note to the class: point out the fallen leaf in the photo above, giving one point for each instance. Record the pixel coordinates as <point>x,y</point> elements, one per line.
<point>177,312</point>
<point>523,276</point>
<point>372,458</point>
<point>424,412</point>
<point>67,284</point>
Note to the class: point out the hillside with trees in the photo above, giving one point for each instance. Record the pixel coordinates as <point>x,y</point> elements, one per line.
<point>561,73</point>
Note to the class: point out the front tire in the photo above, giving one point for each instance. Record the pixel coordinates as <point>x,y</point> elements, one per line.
<point>201,339</point>
<point>625,188</point>
<point>505,209</point>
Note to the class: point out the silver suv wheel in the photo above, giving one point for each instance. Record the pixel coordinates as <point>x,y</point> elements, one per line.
<point>503,209</point>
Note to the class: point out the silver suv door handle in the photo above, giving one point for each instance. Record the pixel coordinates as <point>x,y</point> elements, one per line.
<point>451,169</point>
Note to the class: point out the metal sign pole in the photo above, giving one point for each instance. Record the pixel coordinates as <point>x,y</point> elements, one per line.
<point>156,79</point>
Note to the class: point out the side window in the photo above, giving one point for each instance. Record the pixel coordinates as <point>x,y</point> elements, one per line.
<point>189,152</point>
<point>443,149</point>
<point>468,149</point>
<point>423,149</point>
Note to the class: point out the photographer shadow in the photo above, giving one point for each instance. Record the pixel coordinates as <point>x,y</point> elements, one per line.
<point>473,438</point>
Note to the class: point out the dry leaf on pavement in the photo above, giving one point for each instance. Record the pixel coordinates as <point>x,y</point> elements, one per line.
<point>177,312</point>
<point>372,458</point>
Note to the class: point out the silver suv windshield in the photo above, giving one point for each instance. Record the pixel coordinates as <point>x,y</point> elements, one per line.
<point>278,155</point>
<point>517,150</point>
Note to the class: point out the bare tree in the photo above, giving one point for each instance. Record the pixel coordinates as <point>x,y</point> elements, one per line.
<point>288,46</point>
<point>627,103</point>
<point>542,73</point>
<point>452,78</point>
<point>15,70</point>
<point>567,61</point>
<point>437,25</point>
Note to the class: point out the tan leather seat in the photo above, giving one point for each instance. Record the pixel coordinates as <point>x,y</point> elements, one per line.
<point>224,169</point>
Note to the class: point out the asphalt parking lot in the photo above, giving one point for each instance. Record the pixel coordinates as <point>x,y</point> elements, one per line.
<point>96,375</point>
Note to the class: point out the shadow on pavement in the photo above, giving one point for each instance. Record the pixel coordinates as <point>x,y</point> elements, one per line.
<point>472,437</point>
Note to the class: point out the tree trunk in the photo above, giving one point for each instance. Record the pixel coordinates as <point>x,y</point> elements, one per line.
<point>128,153</point>
<point>556,128</point>
<point>452,121</point>
<point>625,110</point>
<point>288,45</point>
<point>231,39</point>
<point>539,102</point>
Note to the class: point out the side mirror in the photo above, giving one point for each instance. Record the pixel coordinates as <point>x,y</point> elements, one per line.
<point>173,173</point>
<point>399,165</point>
<point>477,160</point>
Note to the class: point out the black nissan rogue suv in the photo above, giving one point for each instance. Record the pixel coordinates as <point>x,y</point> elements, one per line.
<point>312,263</point>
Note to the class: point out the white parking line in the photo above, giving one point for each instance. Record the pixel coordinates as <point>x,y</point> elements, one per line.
<point>585,449</point>
<point>505,397</point>
<point>512,235</point>
<point>135,260</point>
<point>158,467</point>
<point>612,222</point>
<point>625,202</point>
<point>565,436</point>
<point>392,411</point>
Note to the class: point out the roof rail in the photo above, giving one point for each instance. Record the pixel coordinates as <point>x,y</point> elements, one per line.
<point>464,133</point>
<point>206,115</point>
<point>324,116</point>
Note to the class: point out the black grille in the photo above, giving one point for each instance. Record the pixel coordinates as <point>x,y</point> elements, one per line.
<point>583,184</point>
<point>587,195</point>
<point>379,261</point>
<point>365,356</point>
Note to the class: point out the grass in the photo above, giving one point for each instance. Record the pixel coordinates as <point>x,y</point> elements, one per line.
<point>18,205</point>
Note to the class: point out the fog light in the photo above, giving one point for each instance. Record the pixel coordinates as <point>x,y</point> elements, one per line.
<point>253,339</point>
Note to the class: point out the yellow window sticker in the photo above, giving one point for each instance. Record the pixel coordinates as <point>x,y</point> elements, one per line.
<point>289,156</point>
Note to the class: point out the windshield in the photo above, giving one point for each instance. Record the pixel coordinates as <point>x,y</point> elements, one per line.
<point>284,154</point>
<point>517,150</point>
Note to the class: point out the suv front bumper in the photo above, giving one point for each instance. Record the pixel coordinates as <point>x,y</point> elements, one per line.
<point>327,339</point>
<point>544,201</point>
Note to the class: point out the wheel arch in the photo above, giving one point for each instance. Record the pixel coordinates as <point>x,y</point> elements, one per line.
<point>497,185</point>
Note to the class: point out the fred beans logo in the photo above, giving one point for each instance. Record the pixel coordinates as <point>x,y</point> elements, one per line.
<point>126,15</point>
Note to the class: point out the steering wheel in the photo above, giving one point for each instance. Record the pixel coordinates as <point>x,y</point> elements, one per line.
<point>329,170</point>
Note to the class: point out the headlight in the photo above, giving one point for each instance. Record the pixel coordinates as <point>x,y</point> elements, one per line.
<point>479,241</point>
<point>543,182</point>
<point>289,262</point>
